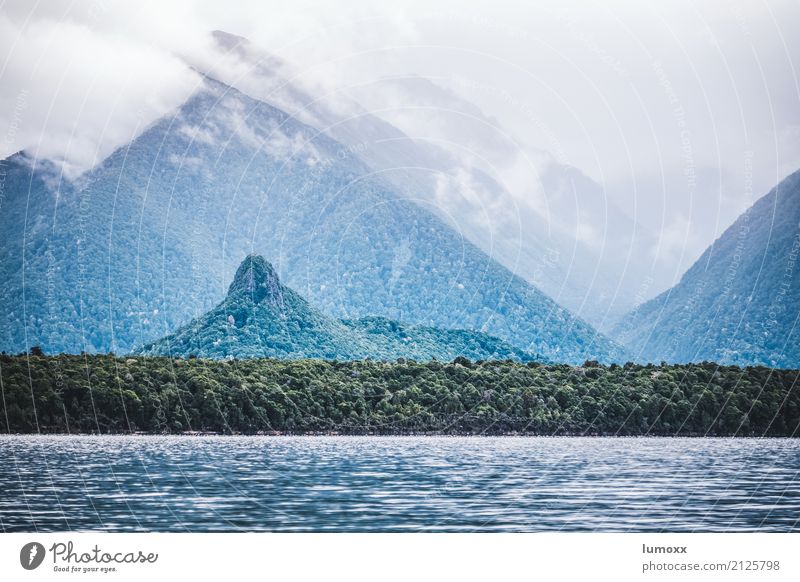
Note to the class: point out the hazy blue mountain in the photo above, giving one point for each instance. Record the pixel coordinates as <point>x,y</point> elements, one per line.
<point>529,209</point>
<point>147,240</point>
<point>559,230</point>
<point>740,302</point>
<point>260,317</point>
<point>418,342</point>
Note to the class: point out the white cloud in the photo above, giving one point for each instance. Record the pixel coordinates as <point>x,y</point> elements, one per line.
<point>576,79</point>
<point>198,134</point>
<point>85,93</point>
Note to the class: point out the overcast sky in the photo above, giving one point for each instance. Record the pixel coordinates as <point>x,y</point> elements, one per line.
<point>685,111</point>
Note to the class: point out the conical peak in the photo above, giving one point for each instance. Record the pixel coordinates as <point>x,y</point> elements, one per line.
<point>257,279</point>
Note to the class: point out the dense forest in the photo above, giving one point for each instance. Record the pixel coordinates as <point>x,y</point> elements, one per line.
<point>108,394</point>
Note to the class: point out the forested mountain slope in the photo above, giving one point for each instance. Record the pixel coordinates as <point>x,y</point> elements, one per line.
<point>740,302</point>
<point>148,239</point>
<point>260,317</point>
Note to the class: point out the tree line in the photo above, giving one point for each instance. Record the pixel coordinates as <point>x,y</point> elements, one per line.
<point>109,394</point>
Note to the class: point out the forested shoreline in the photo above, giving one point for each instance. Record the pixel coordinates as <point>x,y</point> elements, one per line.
<point>105,394</point>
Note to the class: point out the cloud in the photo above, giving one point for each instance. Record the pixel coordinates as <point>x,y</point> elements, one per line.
<point>575,79</point>
<point>73,95</point>
<point>676,237</point>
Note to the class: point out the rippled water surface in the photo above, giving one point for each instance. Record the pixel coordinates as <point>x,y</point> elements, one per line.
<point>398,484</point>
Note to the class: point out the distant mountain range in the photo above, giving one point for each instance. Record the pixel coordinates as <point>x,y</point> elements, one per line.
<point>534,213</point>
<point>145,241</point>
<point>556,227</point>
<point>351,212</point>
<point>740,302</point>
<point>260,317</point>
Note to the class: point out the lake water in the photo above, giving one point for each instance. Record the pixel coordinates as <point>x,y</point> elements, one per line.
<point>398,484</point>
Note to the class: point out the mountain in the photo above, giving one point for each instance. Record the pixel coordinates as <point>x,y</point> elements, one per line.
<point>740,302</point>
<point>539,217</point>
<point>530,210</point>
<point>142,243</point>
<point>260,317</point>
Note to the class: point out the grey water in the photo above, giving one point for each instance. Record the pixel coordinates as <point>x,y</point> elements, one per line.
<point>393,484</point>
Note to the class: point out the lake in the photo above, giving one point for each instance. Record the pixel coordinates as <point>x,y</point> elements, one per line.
<point>460,484</point>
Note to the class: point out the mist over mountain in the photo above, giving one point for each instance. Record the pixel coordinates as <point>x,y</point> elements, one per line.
<point>374,222</point>
<point>740,302</point>
<point>146,240</point>
<point>539,217</point>
<point>260,317</point>
<point>527,207</point>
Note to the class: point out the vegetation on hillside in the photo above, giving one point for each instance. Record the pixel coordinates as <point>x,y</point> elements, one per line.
<point>262,318</point>
<point>740,302</point>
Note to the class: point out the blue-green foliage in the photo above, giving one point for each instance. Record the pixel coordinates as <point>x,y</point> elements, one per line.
<point>146,241</point>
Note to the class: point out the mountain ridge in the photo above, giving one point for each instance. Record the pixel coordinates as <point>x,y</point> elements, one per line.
<point>592,278</point>
<point>738,303</point>
<point>143,244</point>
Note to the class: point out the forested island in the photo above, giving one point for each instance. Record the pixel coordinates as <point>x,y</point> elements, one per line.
<point>109,394</point>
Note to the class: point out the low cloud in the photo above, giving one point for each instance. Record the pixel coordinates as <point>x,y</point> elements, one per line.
<point>575,80</point>
<point>84,93</point>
